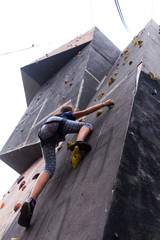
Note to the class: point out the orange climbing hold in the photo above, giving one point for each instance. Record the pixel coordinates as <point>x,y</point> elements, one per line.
<point>2,205</point>
<point>17,206</point>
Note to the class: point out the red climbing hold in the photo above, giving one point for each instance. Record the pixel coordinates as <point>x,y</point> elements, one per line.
<point>21,185</point>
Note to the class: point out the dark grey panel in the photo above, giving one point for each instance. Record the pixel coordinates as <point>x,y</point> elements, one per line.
<point>104,46</point>
<point>135,204</point>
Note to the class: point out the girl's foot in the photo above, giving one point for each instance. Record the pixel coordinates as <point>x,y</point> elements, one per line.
<point>83,146</point>
<point>26,213</point>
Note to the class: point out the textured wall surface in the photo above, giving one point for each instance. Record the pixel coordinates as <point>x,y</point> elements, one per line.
<point>76,83</point>
<point>114,192</point>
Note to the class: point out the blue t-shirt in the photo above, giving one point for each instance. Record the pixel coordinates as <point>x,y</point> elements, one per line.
<point>67,115</point>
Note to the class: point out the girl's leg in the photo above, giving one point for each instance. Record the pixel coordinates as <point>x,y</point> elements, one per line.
<point>83,129</point>
<point>40,184</point>
<point>83,133</point>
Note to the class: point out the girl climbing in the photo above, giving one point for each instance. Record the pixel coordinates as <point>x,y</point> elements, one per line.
<point>52,132</point>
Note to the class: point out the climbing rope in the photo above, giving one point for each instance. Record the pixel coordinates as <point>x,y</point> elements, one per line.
<point>121,15</point>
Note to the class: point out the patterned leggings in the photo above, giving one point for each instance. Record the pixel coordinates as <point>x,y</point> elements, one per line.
<point>50,130</point>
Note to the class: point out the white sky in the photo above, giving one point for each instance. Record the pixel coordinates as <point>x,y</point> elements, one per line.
<point>49,24</point>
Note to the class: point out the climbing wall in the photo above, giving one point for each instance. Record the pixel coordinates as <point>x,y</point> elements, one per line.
<point>74,83</point>
<point>114,191</point>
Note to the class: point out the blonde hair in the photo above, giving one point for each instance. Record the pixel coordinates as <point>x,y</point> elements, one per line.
<point>67,108</point>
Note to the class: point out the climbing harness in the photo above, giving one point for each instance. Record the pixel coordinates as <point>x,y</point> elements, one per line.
<point>50,139</point>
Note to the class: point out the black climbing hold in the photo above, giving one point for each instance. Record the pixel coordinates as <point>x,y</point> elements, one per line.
<point>19,180</point>
<point>154,92</point>
<point>35,176</point>
<point>115,235</point>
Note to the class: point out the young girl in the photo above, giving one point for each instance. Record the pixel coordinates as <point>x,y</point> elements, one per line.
<point>52,132</point>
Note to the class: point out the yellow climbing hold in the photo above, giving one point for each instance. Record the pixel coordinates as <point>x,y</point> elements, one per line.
<point>115,73</point>
<point>135,43</point>
<point>124,63</point>
<point>82,120</point>
<point>140,45</point>
<point>99,113</point>
<point>126,53</point>
<point>100,95</point>
<point>15,239</point>
<point>111,80</point>
<point>121,54</point>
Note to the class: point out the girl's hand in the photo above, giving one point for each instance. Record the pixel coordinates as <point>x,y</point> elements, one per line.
<point>108,102</point>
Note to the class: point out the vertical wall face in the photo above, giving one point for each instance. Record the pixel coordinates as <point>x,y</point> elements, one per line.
<point>134,212</point>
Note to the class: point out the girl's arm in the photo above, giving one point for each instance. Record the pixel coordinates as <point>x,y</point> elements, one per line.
<point>92,109</point>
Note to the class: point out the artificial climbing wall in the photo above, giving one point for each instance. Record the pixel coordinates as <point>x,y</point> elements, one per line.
<point>74,82</point>
<point>105,196</point>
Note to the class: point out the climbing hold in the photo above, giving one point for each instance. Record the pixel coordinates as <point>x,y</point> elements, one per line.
<point>124,63</point>
<point>99,97</point>
<point>82,120</point>
<point>140,42</point>
<point>15,239</point>
<point>38,99</point>
<point>2,205</point>
<point>21,185</point>
<point>17,206</point>
<point>72,78</point>
<point>154,92</point>
<point>119,58</point>
<point>130,62</point>
<point>70,84</point>
<point>125,57</point>
<point>115,73</point>
<point>59,148</point>
<point>111,80</point>
<point>19,180</point>
<point>126,53</point>
<point>99,113</point>
<point>79,52</point>
<point>110,106</point>
<point>117,64</point>
<point>65,81</point>
<point>21,130</point>
<point>63,97</point>
<point>35,176</point>
<point>121,54</point>
<point>74,72</point>
<point>154,77</point>
<point>135,43</point>
<point>115,235</point>
<point>140,45</point>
